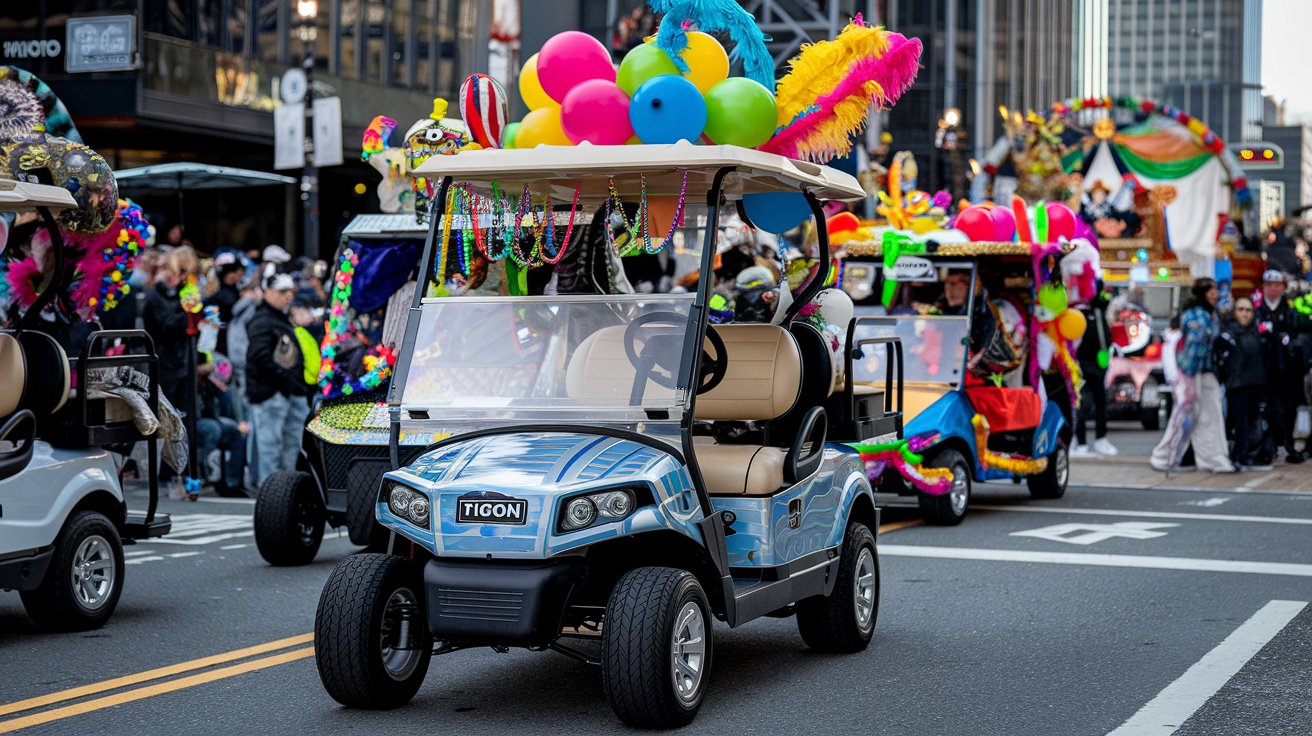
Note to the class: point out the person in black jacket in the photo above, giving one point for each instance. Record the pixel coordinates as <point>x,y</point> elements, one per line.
<point>1093,353</point>
<point>166,323</point>
<point>275,381</point>
<point>229,270</point>
<point>1281,328</point>
<point>1239,355</point>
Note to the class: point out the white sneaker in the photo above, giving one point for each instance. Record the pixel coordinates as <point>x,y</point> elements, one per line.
<point>1104,447</point>
<point>1078,450</point>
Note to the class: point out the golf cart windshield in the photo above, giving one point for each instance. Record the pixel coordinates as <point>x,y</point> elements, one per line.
<point>935,348</point>
<point>577,359</point>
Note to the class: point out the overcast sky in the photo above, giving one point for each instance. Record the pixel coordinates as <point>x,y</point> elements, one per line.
<point>1286,57</point>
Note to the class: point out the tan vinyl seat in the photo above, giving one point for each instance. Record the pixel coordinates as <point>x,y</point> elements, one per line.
<point>762,383</point>
<point>13,375</point>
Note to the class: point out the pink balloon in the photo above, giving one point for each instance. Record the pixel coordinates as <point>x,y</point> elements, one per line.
<point>976,223</point>
<point>1061,222</point>
<point>597,111</point>
<point>1004,224</point>
<point>569,58</point>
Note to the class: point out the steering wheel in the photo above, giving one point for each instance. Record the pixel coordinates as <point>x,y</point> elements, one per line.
<point>659,352</point>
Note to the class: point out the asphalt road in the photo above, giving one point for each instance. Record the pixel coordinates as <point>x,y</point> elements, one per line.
<point>1063,617</point>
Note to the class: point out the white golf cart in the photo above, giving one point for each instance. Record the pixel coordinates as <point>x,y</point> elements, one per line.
<point>63,517</point>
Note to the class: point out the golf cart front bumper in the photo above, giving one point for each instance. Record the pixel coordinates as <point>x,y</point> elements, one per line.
<point>506,602</point>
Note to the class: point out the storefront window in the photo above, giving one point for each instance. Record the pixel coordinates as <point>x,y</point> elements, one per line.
<point>169,17</point>
<point>266,30</point>
<point>207,22</point>
<point>424,43</point>
<point>401,46</point>
<point>348,24</point>
<point>375,35</point>
<point>236,18</point>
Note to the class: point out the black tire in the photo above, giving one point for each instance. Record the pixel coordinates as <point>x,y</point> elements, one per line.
<point>289,519</point>
<point>947,509</point>
<point>356,629</point>
<point>834,623</point>
<point>1051,483</point>
<point>637,648</point>
<point>90,542</point>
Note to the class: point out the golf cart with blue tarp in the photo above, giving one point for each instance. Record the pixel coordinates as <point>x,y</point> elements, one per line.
<point>612,470</point>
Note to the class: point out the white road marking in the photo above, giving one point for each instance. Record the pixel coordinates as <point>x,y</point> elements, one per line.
<point>1147,514</point>
<point>139,560</point>
<point>1182,698</point>
<point>176,555</point>
<point>238,501</point>
<point>1192,564</point>
<point>211,539</point>
<point>234,546</point>
<point>1207,502</point>
<point>1093,533</point>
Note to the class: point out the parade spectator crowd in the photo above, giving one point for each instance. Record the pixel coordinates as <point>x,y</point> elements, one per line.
<point>251,391</point>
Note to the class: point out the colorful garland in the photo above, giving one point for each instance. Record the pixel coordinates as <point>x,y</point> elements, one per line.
<point>121,259</point>
<point>908,463</point>
<point>1015,464</point>
<point>641,224</point>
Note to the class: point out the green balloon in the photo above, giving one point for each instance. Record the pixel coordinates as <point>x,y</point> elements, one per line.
<point>508,135</point>
<point>643,63</point>
<point>740,112</point>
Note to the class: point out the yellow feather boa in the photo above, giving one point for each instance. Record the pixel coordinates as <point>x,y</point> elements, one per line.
<point>1011,463</point>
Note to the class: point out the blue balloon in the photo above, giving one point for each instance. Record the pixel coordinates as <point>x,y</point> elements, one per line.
<point>666,109</point>
<point>776,212</point>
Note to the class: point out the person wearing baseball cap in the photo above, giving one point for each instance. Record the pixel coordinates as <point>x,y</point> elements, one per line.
<point>1280,327</point>
<point>228,270</point>
<point>275,381</point>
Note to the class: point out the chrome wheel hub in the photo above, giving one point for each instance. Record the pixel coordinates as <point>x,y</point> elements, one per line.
<point>93,572</point>
<point>1063,468</point>
<point>960,493</point>
<point>688,652</point>
<point>866,582</point>
<point>399,638</point>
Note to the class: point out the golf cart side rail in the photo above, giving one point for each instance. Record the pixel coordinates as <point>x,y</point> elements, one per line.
<point>893,367</point>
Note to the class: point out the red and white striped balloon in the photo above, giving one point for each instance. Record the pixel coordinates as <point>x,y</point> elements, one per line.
<point>484,109</point>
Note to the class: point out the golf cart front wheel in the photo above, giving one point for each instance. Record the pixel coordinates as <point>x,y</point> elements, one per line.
<point>85,577</point>
<point>844,621</point>
<point>1051,483</point>
<point>947,509</point>
<point>371,639</point>
<point>289,519</point>
<point>656,647</point>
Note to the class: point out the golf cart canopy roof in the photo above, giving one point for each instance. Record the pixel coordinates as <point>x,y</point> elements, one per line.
<point>20,195</point>
<point>561,167</point>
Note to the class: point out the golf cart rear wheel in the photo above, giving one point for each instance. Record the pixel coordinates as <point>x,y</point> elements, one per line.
<point>844,621</point>
<point>656,647</point>
<point>289,519</point>
<point>1051,483</point>
<point>371,639</point>
<point>947,509</point>
<point>85,577</point>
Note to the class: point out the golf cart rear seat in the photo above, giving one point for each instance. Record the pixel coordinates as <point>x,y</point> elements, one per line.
<point>17,424</point>
<point>762,383</point>
<point>84,421</point>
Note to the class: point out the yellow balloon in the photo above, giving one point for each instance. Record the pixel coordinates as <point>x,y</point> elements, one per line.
<point>530,88</point>
<point>542,127</point>
<point>708,64</point>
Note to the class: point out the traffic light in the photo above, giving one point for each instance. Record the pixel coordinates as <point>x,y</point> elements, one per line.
<point>1259,155</point>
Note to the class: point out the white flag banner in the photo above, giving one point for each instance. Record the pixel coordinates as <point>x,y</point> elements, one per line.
<point>328,131</point>
<point>289,136</point>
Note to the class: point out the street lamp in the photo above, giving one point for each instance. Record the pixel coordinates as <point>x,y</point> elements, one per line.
<point>307,12</point>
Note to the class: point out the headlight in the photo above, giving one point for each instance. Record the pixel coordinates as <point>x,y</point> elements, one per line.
<point>582,511</point>
<point>579,513</point>
<point>408,504</point>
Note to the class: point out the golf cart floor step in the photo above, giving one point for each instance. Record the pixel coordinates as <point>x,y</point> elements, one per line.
<point>135,527</point>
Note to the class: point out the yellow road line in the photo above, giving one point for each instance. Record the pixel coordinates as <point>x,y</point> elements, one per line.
<point>151,691</point>
<point>893,526</point>
<point>173,669</point>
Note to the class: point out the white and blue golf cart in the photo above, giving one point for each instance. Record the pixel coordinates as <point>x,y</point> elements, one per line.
<point>63,515</point>
<point>613,468</point>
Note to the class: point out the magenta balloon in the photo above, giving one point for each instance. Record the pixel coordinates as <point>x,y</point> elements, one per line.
<point>1061,222</point>
<point>570,58</point>
<point>976,223</point>
<point>1004,224</point>
<point>597,111</point>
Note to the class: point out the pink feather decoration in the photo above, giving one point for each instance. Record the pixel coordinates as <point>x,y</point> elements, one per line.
<point>894,71</point>
<point>24,276</point>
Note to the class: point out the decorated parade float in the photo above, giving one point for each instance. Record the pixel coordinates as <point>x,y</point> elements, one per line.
<point>571,459</point>
<point>73,397</point>
<point>1163,195</point>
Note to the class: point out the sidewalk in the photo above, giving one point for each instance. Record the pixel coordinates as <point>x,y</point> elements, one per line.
<point>1130,469</point>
